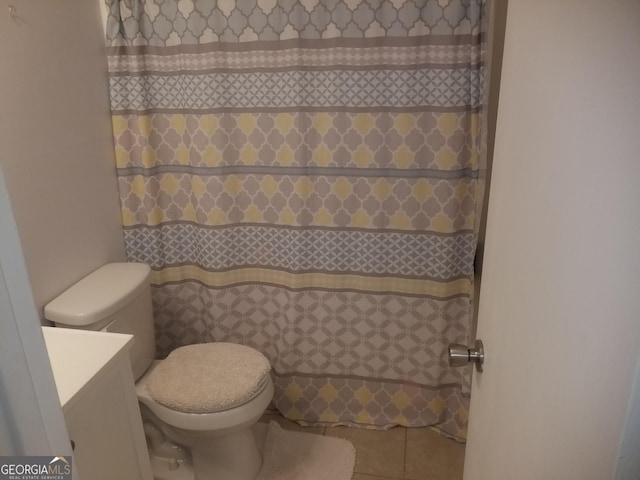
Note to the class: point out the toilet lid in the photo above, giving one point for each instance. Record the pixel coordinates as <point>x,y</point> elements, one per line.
<point>208,377</point>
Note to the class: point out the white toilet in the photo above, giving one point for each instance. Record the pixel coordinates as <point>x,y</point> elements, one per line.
<point>198,405</point>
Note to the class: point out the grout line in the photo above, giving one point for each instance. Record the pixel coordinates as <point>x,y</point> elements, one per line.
<point>376,476</point>
<point>404,464</point>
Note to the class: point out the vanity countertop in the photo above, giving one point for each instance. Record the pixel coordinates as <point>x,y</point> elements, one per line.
<point>78,356</point>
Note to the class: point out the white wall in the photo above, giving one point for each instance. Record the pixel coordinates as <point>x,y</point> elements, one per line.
<point>104,13</point>
<point>560,297</point>
<point>55,141</point>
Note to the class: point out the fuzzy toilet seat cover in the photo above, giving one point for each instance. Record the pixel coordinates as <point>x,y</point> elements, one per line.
<point>208,377</point>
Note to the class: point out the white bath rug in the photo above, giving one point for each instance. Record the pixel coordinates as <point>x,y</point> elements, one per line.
<point>303,456</point>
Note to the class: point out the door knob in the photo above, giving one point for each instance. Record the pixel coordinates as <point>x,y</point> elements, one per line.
<point>461,355</point>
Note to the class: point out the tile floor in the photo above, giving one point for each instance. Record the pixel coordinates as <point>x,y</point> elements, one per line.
<point>396,454</point>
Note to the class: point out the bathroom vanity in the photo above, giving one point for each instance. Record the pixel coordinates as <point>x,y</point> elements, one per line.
<point>95,384</point>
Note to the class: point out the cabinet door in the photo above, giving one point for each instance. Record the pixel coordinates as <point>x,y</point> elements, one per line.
<point>106,428</point>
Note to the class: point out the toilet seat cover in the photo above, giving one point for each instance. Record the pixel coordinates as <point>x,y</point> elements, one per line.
<point>208,377</point>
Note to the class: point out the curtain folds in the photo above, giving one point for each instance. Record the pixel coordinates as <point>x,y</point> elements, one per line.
<point>304,177</point>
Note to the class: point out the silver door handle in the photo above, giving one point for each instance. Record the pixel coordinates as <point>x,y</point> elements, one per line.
<point>461,355</point>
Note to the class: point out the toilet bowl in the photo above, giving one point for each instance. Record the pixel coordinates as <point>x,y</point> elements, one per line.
<point>212,421</point>
<point>221,442</point>
<point>198,405</point>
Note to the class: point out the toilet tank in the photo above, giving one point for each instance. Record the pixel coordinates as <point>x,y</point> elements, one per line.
<point>115,298</point>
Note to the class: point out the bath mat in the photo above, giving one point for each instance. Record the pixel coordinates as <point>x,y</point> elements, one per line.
<point>303,456</point>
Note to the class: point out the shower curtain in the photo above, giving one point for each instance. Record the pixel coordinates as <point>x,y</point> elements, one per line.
<point>304,177</point>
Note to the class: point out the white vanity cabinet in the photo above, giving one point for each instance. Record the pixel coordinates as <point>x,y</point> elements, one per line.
<point>97,393</point>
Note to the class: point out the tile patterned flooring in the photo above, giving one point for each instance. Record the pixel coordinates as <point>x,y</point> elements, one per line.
<point>396,454</point>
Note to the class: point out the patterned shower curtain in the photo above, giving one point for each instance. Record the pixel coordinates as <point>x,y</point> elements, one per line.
<point>304,177</point>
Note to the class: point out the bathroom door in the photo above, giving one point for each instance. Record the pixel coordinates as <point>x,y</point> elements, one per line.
<point>31,421</point>
<point>560,298</point>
